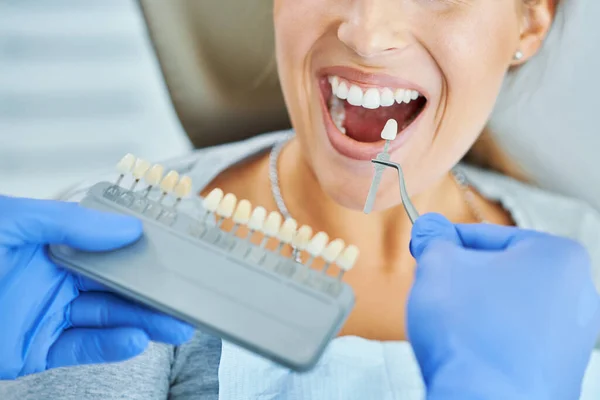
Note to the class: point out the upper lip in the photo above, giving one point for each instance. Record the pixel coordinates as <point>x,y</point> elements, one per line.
<point>371,79</point>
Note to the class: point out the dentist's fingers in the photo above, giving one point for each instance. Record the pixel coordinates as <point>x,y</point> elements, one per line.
<point>103,310</point>
<point>33,221</point>
<point>95,346</point>
<point>430,229</point>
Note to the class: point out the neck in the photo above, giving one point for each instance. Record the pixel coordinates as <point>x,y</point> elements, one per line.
<point>383,236</point>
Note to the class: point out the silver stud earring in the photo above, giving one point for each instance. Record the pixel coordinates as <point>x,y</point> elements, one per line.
<point>518,55</point>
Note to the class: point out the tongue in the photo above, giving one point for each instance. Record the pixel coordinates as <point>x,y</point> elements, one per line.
<point>365,125</point>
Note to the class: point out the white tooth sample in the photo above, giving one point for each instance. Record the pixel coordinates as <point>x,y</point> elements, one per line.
<point>335,82</point>
<point>140,168</point>
<point>414,95</point>
<point>355,96</point>
<point>227,205</point>
<point>242,212</point>
<point>371,99</point>
<point>387,97</point>
<point>333,250</point>
<point>287,231</point>
<point>407,96</point>
<point>183,188</point>
<point>399,95</point>
<point>169,181</point>
<point>342,91</point>
<point>348,258</point>
<point>390,130</point>
<point>154,175</point>
<point>317,244</point>
<point>257,219</point>
<point>272,224</point>
<point>212,200</point>
<point>126,164</point>
<point>302,237</point>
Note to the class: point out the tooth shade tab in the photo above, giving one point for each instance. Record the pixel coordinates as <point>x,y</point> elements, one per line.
<point>317,244</point>
<point>183,187</point>
<point>226,206</point>
<point>390,130</point>
<point>242,212</point>
<point>287,231</point>
<point>257,219</point>
<point>125,165</point>
<point>272,224</point>
<point>154,175</point>
<point>302,237</point>
<point>169,181</point>
<point>347,258</point>
<point>212,200</point>
<point>140,168</point>
<point>333,250</point>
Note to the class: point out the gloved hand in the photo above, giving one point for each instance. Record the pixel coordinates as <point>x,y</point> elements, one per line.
<point>52,318</point>
<point>499,312</point>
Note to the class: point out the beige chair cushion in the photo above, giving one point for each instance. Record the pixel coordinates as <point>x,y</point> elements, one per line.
<point>217,58</point>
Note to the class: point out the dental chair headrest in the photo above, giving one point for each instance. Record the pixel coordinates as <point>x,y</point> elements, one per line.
<point>217,59</point>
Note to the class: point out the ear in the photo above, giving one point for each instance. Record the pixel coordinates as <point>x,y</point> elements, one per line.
<point>537,17</point>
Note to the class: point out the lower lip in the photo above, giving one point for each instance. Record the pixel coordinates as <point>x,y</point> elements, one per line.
<point>354,149</point>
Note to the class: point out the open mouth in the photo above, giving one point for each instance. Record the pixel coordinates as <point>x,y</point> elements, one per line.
<point>358,113</point>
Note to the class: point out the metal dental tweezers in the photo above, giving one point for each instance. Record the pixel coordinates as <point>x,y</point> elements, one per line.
<point>411,211</point>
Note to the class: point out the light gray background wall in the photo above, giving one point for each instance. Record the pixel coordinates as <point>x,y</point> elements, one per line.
<point>79,88</point>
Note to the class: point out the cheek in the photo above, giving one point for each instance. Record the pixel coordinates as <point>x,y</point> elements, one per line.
<point>473,59</point>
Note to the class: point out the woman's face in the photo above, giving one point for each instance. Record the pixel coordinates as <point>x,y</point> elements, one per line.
<point>348,66</point>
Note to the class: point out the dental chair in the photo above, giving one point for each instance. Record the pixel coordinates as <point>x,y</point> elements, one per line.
<point>218,62</point>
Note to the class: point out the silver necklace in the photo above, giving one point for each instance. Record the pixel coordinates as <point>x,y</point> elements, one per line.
<point>457,175</point>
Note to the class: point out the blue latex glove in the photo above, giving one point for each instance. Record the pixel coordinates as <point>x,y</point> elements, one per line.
<point>51,318</point>
<point>499,312</point>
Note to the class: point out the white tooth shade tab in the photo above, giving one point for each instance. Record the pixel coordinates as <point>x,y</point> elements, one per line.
<point>333,250</point>
<point>140,168</point>
<point>390,130</point>
<point>317,244</point>
<point>154,175</point>
<point>347,258</point>
<point>169,181</point>
<point>272,224</point>
<point>355,96</point>
<point>302,237</point>
<point>126,164</point>
<point>183,187</point>
<point>212,200</point>
<point>371,99</point>
<point>287,231</point>
<point>242,212</point>
<point>227,205</point>
<point>342,91</point>
<point>387,97</point>
<point>257,219</point>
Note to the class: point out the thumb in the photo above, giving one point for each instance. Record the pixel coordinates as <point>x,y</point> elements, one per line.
<point>31,221</point>
<point>430,228</point>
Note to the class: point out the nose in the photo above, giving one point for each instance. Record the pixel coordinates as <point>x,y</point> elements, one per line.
<point>373,28</point>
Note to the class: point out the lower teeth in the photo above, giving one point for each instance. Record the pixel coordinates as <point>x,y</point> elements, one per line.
<point>338,113</point>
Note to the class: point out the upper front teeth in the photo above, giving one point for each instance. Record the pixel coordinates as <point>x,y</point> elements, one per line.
<point>370,98</point>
